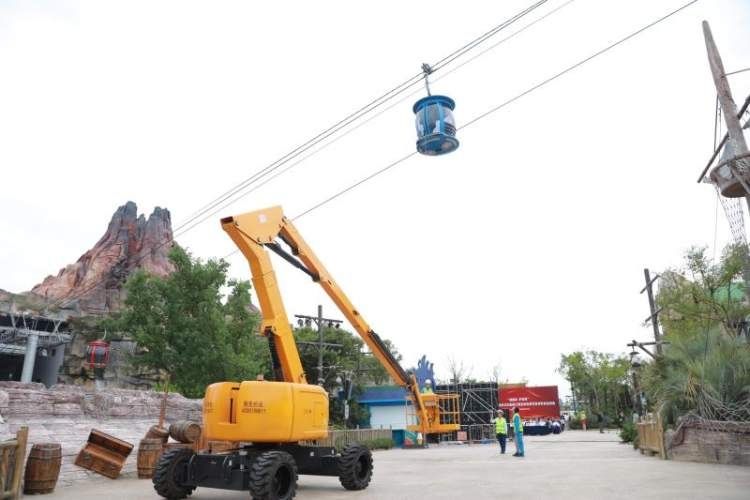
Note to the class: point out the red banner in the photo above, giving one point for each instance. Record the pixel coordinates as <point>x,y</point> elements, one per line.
<point>532,402</point>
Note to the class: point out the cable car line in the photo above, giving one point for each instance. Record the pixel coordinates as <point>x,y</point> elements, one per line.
<point>500,106</point>
<point>480,39</point>
<point>374,104</point>
<point>253,188</point>
<point>238,193</point>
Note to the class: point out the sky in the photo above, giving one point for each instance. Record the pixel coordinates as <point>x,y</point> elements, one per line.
<point>528,242</point>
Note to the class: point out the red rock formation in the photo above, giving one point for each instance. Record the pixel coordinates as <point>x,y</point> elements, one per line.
<point>131,242</point>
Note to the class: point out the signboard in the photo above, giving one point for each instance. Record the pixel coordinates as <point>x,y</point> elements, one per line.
<point>531,401</point>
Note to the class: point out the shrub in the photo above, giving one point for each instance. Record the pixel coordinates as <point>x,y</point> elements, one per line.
<point>372,444</point>
<point>628,433</point>
<point>379,444</point>
<point>574,423</point>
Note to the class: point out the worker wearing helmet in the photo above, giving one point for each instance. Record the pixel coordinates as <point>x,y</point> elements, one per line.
<point>501,429</point>
<point>427,389</point>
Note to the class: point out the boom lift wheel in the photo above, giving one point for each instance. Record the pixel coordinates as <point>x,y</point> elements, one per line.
<point>273,476</point>
<point>169,474</point>
<point>355,467</point>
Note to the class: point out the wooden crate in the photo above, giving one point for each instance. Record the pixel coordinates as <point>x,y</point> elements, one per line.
<point>104,454</point>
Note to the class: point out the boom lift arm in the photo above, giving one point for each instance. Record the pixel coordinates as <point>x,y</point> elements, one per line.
<point>257,231</point>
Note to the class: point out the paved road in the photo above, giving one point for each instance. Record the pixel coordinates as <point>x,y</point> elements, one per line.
<point>574,465</point>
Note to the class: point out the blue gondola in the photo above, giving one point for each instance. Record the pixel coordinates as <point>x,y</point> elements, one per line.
<point>436,128</point>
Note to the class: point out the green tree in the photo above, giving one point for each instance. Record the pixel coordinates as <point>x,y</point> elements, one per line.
<point>186,327</point>
<point>346,363</point>
<point>705,368</point>
<point>598,380</point>
<point>704,294</point>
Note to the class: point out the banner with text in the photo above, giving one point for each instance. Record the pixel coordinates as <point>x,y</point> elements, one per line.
<point>531,401</point>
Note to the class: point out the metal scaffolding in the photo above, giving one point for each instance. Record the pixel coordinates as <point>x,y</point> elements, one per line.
<point>478,401</point>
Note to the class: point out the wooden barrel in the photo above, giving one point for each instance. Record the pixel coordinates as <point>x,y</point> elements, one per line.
<point>149,451</point>
<point>185,431</point>
<point>222,446</point>
<point>42,468</point>
<point>172,446</point>
<point>156,432</point>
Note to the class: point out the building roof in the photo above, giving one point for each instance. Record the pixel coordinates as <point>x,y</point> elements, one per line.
<point>383,395</point>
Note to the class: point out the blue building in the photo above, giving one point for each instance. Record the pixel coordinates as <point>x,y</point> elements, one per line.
<point>386,405</point>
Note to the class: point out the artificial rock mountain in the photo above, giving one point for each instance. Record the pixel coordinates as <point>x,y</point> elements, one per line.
<point>131,242</point>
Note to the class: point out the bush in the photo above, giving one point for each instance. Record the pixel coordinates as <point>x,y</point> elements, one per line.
<point>379,444</point>
<point>372,444</point>
<point>628,433</point>
<point>574,424</point>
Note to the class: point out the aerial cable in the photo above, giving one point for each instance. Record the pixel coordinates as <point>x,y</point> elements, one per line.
<point>500,106</point>
<point>481,39</point>
<point>371,106</point>
<point>252,188</point>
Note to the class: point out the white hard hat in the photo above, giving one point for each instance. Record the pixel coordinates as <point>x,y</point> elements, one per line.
<point>428,382</point>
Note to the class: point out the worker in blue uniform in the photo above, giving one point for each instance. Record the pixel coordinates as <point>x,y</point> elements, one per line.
<point>518,432</point>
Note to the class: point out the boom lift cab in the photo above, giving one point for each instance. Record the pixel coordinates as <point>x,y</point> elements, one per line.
<point>275,424</point>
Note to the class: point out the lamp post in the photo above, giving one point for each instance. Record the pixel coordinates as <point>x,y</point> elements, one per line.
<point>635,365</point>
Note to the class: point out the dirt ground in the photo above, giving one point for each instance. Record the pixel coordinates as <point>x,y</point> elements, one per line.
<point>574,465</point>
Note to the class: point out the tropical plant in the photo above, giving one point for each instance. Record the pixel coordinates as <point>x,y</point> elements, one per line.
<point>705,367</point>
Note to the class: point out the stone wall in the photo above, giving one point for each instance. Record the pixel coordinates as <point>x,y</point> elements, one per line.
<point>120,371</point>
<point>710,442</point>
<point>66,414</point>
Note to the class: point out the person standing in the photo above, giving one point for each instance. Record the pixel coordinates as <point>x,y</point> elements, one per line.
<point>518,432</point>
<point>582,418</point>
<point>501,430</point>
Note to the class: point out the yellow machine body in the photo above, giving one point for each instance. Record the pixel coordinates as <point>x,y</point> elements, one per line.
<point>290,409</point>
<point>265,412</point>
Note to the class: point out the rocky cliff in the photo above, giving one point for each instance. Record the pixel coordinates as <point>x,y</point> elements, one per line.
<point>131,242</point>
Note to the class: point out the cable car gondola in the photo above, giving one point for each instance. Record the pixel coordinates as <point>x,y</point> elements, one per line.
<point>436,128</point>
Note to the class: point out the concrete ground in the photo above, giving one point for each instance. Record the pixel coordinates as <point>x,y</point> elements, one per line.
<point>574,465</point>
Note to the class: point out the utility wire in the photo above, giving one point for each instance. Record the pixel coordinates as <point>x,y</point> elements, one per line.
<point>502,105</point>
<point>452,70</point>
<point>738,71</point>
<point>254,187</point>
<point>372,105</point>
<point>352,117</point>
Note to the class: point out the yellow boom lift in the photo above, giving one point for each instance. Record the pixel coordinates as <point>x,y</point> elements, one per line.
<point>278,422</point>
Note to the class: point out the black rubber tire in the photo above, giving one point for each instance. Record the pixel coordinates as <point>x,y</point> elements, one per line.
<point>355,467</point>
<point>166,482</point>
<point>273,476</point>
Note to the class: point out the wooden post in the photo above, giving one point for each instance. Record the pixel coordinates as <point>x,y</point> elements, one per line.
<point>652,308</point>
<point>22,437</point>
<point>736,139</point>
<point>660,433</point>
<point>163,411</point>
<point>724,93</point>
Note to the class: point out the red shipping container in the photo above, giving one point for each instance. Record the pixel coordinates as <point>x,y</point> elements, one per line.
<point>533,402</point>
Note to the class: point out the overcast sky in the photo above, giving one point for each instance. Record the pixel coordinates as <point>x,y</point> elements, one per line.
<point>528,242</point>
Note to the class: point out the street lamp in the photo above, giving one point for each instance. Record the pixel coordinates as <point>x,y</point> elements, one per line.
<point>635,366</point>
